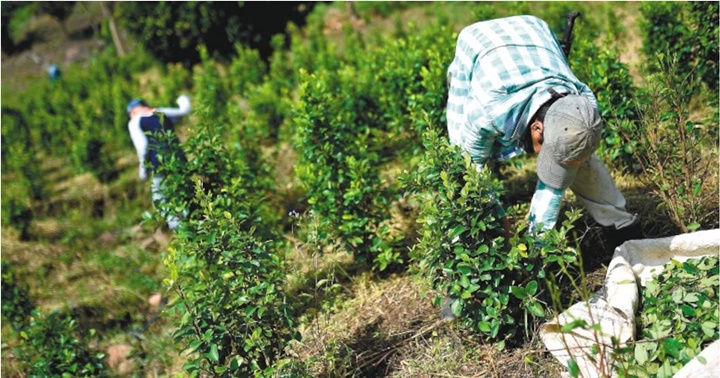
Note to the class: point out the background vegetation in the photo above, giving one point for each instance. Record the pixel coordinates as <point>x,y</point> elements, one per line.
<point>328,217</point>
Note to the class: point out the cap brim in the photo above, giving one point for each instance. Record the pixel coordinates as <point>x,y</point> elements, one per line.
<point>554,174</point>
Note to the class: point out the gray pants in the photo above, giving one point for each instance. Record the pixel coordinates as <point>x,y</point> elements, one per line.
<point>597,193</point>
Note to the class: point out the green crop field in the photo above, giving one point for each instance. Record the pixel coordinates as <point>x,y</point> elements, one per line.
<point>326,214</point>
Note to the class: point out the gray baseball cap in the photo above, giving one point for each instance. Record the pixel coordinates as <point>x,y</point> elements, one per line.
<point>571,133</point>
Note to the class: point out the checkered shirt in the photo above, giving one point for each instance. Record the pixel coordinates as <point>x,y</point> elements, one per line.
<point>501,74</point>
<point>503,71</point>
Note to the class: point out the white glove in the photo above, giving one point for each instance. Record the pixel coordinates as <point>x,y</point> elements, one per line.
<point>183,102</point>
<point>143,173</point>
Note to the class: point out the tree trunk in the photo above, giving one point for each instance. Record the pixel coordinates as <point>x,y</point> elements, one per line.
<point>351,10</point>
<point>107,12</point>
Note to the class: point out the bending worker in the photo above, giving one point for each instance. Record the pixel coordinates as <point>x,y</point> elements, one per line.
<point>511,91</point>
<point>144,127</point>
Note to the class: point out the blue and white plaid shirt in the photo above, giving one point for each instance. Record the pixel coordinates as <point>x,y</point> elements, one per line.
<point>503,71</point>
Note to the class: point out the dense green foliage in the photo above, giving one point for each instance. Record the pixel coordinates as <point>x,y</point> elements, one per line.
<point>54,346</point>
<point>678,319</point>
<point>225,265</point>
<point>337,166</point>
<point>704,21</point>
<point>492,282</point>
<point>51,345</point>
<point>16,304</point>
<point>353,117</point>
<point>688,30</point>
<point>230,306</point>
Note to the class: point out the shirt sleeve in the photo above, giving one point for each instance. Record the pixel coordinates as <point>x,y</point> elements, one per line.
<point>545,207</point>
<point>138,137</point>
<point>182,110</point>
<point>482,150</point>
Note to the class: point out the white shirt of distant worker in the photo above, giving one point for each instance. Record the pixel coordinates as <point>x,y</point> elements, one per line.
<point>143,123</point>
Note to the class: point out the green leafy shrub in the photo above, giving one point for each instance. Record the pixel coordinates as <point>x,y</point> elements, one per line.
<point>271,99</point>
<point>232,312</point>
<point>353,118</point>
<point>268,110</point>
<point>409,73</point>
<point>222,166</point>
<point>53,346</point>
<point>224,263</point>
<point>704,20</point>
<point>430,98</point>
<point>210,88</point>
<point>680,171</point>
<point>688,30</point>
<point>246,69</point>
<point>663,30</point>
<point>493,283</point>
<point>678,319</point>
<point>281,73</point>
<point>337,167</point>
<point>22,177</point>
<point>16,304</point>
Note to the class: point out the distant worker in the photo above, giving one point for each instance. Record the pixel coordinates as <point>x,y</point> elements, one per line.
<point>145,126</point>
<point>511,91</point>
<point>53,72</point>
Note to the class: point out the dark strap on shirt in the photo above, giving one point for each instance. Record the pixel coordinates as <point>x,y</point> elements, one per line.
<point>555,95</point>
<point>151,126</point>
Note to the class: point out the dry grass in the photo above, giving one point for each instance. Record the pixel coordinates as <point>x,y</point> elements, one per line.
<point>389,328</point>
<point>34,256</point>
<point>368,328</point>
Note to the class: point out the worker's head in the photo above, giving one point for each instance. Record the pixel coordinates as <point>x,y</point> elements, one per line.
<point>134,105</point>
<point>567,136</point>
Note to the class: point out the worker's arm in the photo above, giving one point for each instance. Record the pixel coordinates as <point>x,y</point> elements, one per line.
<point>544,208</point>
<point>140,142</point>
<point>182,110</point>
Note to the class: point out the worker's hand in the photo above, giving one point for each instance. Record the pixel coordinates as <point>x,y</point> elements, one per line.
<point>143,173</point>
